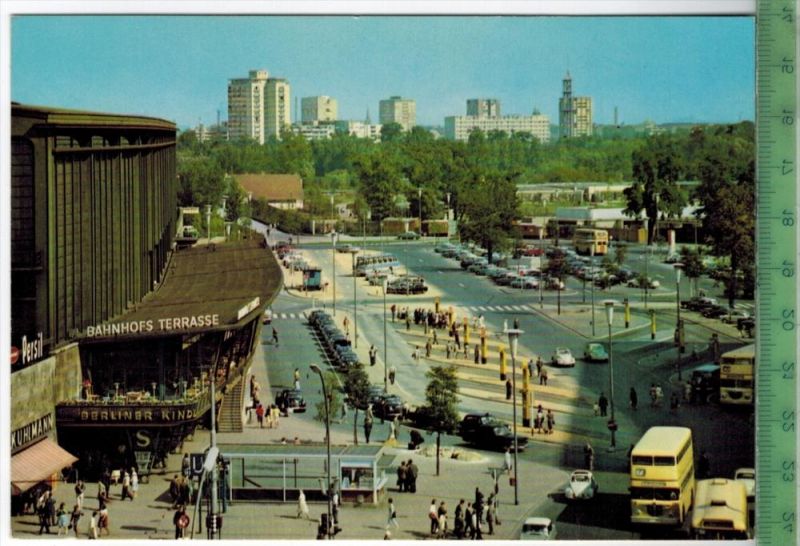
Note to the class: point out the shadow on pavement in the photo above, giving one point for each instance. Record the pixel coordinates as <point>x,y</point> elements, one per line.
<point>606,510</point>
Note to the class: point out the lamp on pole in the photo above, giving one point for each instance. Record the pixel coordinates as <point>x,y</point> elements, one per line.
<point>385,353</point>
<point>541,268</point>
<point>353,253</point>
<point>612,424</point>
<point>593,279</point>
<point>419,206</point>
<point>208,223</point>
<point>333,255</point>
<point>315,369</point>
<point>513,337</point>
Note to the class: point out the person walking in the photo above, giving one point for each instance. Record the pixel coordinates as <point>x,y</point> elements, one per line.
<point>539,365</point>
<point>392,515</point>
<point>441,515</point>
<point>603,403</point>
<point>367,426</point>
<point>543,377</point>
<point>185,466</point>
<point>507,461</point>
<point>62,520</point>
<point>302,506</point>
<point>458,524</point>
<point>477,354</point>
<point>508,389</point>
<point>428,348</point>
<point>588,456</point>
<point>44,515</point>
<point>401,476</point>
<point>490,513</point>
<point>126,487</point>
<point>75,518</point>
<point>394,311</point>
<point>181,521</point>
<point>469,521</point>
<point>634,398</point>
<point>373,355</point>
<point>433,517</point>
<point>80,488</point>
<point>260,415</point>
<point>93,526</point>
<point>134,483</point>
<point>447,350</point>
<point>478,505</point>
<point>274,336</point>
<point>103,521</point>
<point>412,473</point>
<point>551,421</point>
<point>174,490</point>
<point>392,374</point>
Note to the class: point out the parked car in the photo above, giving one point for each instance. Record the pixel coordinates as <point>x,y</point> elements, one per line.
<point>734,315</point>
<point>624,274</point>
<point>581,486</point>
<point>562,357</point>
<point>484,430</point>
<point>422,417</point>
<point>748,477</point>
<point>506,279</point>
<point>478,265</point>
<point>497,273</point>
<point>440,248</point>
<point>525,283</point>
<point>746,325</point>
<point>408,236</point>
<point>538,529</point>
<point>266,318</point>
<point>595,352</point>
<point>554,283</point>
<point>704,381</point>
<point>642,281</point>
<point>292,400</point>
<point>388,406</point>
<point>697,303</point>
<point>346,247</point>
<point>714,311</point>
<point>532,251</point>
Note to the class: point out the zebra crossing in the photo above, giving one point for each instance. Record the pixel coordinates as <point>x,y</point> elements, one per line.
<point>288,316</point>
<point>500,308</point>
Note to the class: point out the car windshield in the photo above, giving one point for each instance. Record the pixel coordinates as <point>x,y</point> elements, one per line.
<point>580,478</point>
<point>534,529</point>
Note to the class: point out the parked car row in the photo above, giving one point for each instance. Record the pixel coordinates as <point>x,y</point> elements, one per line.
<point>486,431</point>
<point>334,342</point>
<point>709,308</point>
<point>406,284</point>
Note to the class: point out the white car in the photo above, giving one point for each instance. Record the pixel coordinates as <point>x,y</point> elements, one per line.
<point>562,357</point>
<point>526,283</point>
<point>748,477</point>
<point>581,486</point>
<point>734,315</point>
<point>538,529</point>
<point>266,318</point>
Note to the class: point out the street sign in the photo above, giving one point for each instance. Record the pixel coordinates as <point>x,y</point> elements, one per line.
<point>776,228</point>
<point>14,355</point>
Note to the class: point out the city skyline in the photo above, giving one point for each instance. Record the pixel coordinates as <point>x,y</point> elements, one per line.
<point>178,67</point>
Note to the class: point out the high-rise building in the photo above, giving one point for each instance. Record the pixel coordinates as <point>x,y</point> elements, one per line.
<point>574,113</point>
<point>459,127</point>
<point>258,106</point>
<point>399,110</point>
<point>483,108</point>
<point>322,108</point>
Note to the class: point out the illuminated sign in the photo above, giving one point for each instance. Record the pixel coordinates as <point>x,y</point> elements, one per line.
<point>32,350</point>
<point>254,303</point>
<point>157,325</point>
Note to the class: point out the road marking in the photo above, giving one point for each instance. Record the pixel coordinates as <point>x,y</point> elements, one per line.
<point>518,307</point>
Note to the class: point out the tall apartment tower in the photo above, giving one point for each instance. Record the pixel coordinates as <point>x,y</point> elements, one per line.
<point>399,110</point>
<point>258,106</point>
<point>483,108</point>
<point>316,109</point>
<point>574,113</point>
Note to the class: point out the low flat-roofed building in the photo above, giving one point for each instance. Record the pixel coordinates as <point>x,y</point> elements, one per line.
<point>284,191</point>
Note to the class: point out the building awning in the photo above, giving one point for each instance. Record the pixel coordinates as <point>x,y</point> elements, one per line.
<point>37,463</point>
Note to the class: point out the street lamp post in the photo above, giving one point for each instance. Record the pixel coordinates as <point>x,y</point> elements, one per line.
<point>385,352</point>
<point>355,306</point>
<point>541,269</point>
<point>513,337</point>
<point>612,425</point>
<point>333,255</point>
<point>419,206</point>
<point>208,223</point>
<point>315,369</point>
<point>678,323</point>
<point>592,279</point>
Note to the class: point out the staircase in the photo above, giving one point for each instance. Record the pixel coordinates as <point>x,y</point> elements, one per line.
<point>230,412</point>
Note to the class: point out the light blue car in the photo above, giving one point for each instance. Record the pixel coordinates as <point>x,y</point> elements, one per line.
<point>595,352</point>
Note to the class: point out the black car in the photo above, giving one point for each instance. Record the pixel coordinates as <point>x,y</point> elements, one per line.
<point>422,417</point>
<point>714,311</point>
<point>486,431</point>
<point>705,382</point>
<point>746,325</point>
<point>291,400</point>
<point>388,406</point>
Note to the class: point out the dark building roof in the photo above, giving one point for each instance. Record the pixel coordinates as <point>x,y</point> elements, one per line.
<point>206,288</point>
<point>82,118</point>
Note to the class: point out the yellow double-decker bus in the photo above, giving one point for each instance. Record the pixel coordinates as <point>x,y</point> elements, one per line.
<point>662,476</point>
<point>586,240</point>
<point>720,510</point>
<point>736,375</point>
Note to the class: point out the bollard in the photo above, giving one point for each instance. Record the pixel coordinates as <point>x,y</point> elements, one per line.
<point>652,324</point>
<point>526,408</point>
<point>466,330</point>
<point>503,368</point>
<point>627,313</point>
<point>483,348</point>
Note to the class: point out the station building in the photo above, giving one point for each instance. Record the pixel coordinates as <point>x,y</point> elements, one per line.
<point>116,334</point>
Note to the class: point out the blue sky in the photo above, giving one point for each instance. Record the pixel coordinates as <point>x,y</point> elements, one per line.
<point>666,69</point>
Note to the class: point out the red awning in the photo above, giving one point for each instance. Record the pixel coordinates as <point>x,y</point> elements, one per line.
<point>37,463</point>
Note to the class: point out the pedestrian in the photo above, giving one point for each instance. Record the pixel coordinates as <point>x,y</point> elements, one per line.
<point>588,456</point>
<point>433,517</point>
<point>435,338</point>
<point>260,415</point>
<point>415,354</point>
<point>62,520</point>
<point>134,482</point>
<point>392,519</point>
<point>442,518</point>
<point>126,487</point>
<point>508,389</point>
<point>174,490</point>
<point>181,522</point>
<point>539,421</point>
<point>185,465</point>
<point>456,338</point>
<point>346,324</point>
<point>93,525</point>
<point>392,374</point>
<point>652,395</point>
<point>80,487</point>
<point>478,504</point>
<point>44,517</point>
<point>466,350</point>
<point>367,427</point>
<point>477,354</point>
<point>539,365</point>
<point>394,310</point>
<point>674,402</point>
<point>687,391</point>
<point>543,377</point>
<point>101,491</point>
<point>659,395</point>
<point>344,409</point>
<point>103,522</point>
<point>507,461</point>
<point>634,399</point>
<point>551,421</point>
<point>302,506</point>
<point>476,527</point>
<point>274,336</point>
<point>603,403</point>
<point>412,472</point>
<point>469,521</point>
<point>401,476</point>
<point>458,525</point>
<point>75,518</point>
<point>447,349</point>
<point>408,323</point>
<point>490,513</point>
<point>50,507</point>
<point>392,430</point>
<point>373,354</point>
